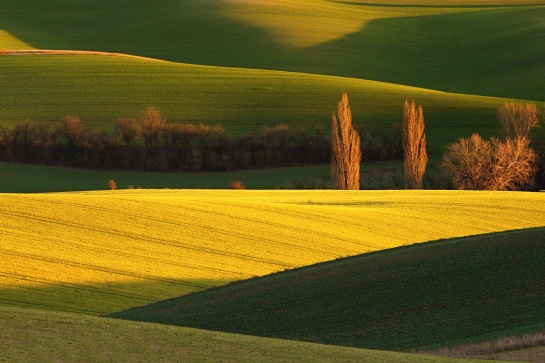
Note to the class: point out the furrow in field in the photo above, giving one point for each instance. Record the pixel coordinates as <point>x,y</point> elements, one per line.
<point>166,243</point>
<point>191,226</point>
<point>258,214</point>
<point>56,261</point>
<point>150,239</point>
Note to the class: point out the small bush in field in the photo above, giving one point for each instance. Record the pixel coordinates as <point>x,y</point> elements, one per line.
<point>112,185</point>
<point>236,184</point>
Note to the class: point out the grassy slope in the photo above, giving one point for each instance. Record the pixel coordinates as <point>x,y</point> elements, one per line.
<point>22,178</point>
<point>100,252</point>
<point>491,51</point>
<point>37,336</point>
<point>467,50</point>
<point>420,296</point>
<point>101,89</point>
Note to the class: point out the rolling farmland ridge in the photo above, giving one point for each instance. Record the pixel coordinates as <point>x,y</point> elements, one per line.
<point>396,299</point>
<point>271,274</point>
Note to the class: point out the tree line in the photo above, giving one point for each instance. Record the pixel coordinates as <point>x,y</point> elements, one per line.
<point>150,142</point>
<point>506,163</point>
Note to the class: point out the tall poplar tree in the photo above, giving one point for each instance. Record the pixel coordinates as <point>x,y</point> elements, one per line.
<point>345,148</point>
<point>414,145</point>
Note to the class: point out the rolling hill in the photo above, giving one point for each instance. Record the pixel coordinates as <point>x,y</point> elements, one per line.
<point>328,47</point>
<point>101,252</point>
<point>421,296</point>
<point>488,50</point>
<point>38,336</point>
<point>100,89</point>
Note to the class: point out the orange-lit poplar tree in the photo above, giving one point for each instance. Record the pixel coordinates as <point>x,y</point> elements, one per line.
<point>414,145</point>
<point>345,148</point>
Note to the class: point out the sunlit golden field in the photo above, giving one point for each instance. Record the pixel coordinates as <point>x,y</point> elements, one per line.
<point>99,252</point>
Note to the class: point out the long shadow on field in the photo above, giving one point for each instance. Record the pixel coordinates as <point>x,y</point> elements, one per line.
<point>415,297</point>
<point>95,299</point>
<point>183,31</point>
<point>493,53</point>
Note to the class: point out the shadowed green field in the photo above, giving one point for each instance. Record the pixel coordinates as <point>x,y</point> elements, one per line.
<point>488,50</point>
<point>22,178</point>
<point>433,294</point>
<point>100,89</point>
<point>37,336</point>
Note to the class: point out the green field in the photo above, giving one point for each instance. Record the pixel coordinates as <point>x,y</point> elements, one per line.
<point>417,297</point>
<point>38,336</point>
<point>102,89</point>
<point>328,47</point>
<point>488,50</point>
<point>23,178</point>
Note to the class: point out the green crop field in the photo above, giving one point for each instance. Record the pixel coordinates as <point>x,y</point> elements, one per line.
<point>101,89</point>
<point>432,294</point>
<point>328,47</point>
<point>38,336</point>
<point>462,49</point>
<point>23,178</point>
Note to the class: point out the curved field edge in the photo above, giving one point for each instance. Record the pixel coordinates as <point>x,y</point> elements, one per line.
<point>488,50</point>
<point>99,90</point>
<point>427,295</point>
<point>100,252</point>
<point>38,336</point>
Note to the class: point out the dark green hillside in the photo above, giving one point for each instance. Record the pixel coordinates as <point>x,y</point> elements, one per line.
<point>493,52</point>
<point>426,295</point>
<point>489,51</point>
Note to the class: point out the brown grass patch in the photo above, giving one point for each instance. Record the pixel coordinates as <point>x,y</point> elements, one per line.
<point>525,348</point>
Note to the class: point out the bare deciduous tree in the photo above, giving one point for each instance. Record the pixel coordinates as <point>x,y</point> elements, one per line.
<point>70,129</point>
<point>414,145</point>
<point>152,125</point>
<point>515,164</point>
<point>517,119</point>
<point>345,148</point>
<point>465,161</point>
<point>112,185</point>
<point>478,164</point>
<point>127,129</point>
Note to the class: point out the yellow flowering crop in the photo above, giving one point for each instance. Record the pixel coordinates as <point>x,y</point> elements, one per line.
<point>99,252</point>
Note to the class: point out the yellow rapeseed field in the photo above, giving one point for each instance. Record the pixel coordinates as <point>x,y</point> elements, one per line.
<point>100,252</point>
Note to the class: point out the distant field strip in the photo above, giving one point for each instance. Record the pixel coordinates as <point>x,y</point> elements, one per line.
<point>68,52</point>
<point>99,252</point>
<point>99,90</point>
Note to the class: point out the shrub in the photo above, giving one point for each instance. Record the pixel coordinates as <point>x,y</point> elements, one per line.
<point>112,185</point>
<point>236,184</point>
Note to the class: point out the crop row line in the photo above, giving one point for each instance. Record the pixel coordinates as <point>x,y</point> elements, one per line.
<point>110,270</point>
<point>175,243</point>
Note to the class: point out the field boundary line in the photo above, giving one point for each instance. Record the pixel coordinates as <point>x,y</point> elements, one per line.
<point>22,52</point>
